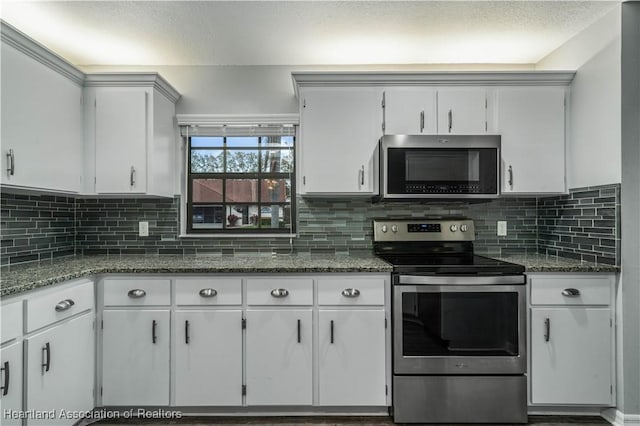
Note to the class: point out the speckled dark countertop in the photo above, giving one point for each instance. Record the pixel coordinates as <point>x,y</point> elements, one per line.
<point>544,263</point>
<point>21,278</point>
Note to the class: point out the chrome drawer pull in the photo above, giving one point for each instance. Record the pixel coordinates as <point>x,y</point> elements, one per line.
<point>208,292</point>
<point>5,386</point>
<point>279,292</point>
<point>351,292</point>
<point>64,305</point>
<point>571,292</point>
<point>137,293</point>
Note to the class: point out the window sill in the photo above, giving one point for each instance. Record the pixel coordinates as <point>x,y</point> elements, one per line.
<point>210,236</point>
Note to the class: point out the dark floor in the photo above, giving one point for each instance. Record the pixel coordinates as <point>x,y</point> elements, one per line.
<point>329,421</point>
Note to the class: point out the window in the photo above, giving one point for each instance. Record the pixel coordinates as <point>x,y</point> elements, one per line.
<point>240,183</point>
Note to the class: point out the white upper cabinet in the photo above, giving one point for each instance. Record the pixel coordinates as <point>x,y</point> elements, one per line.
<point>462,111</point>
<point>340,129</point>
<point>130,134</point>
<point>41,121</point>
<point>531,122</point>
<point>410,111</point>
<point>121,141</point>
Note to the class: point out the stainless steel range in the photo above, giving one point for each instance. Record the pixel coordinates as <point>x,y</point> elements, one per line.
<point>459,334</point>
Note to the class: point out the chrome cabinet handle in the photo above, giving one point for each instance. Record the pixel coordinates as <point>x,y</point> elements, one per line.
<point>11,162</point>
<point>571,292</point>
<point>186,332</point>
<point>299,339</point>
<point>64,305</point>
<point>46,357</point>
<point>351,292</point>
<point>421,121</point>
<point>208,292</point>
<point>511,177</point>
<point>132,176</point>
<point>547,329</point>
<point>5,386</point>
<point>331,327</point>
<point>279,292</point>
<point>450,120</point>
<point>154,325</point>
<point>137,293</point>
<point>361,174</point>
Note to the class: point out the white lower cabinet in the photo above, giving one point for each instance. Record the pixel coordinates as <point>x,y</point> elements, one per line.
<point>572,339</point>
<point>351,357</point>
<point>135,357</point>
<point>279,354</point>
<point>60,370</point>
<point>208,357</point>
<point>571,356</point>
<point>11,383</point>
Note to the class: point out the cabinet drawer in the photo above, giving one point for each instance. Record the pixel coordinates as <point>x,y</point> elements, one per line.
<point>350,291</point>
<point>138,292</point>
<point>293,291</point>
<point>58,305</point>
<point>208,291</point>
<point>557,290</point>
<point>11,321</point>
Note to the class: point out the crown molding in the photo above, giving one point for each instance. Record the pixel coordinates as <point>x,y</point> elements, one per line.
<point>25,44</point>
<point>410,78</point>
<point>133,79</point>
<point>239,119</point>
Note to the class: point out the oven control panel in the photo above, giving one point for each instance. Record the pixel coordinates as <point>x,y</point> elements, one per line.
<point>423,230</point>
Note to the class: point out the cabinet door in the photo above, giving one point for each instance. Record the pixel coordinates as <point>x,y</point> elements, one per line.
<point>340,131</point>
<point>410,111</point>
<point>531,121</point>
<point>11,382</point>
<point>41,115</point>
<point>208,357</point>
<point>573,364</point>
<point>279,363</point>
<point>60,370</point>
<point>351,357</point>
<point>121,141</point>
<point>135,357</point>
<point>462,111</point>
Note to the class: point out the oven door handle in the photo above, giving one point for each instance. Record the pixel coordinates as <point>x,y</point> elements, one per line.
<point>461,280</point>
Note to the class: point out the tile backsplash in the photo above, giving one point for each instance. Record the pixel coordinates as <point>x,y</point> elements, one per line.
<point>583,224</point>
<point>36,227</point>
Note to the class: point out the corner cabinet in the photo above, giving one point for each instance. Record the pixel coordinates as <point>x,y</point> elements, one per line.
<point>131,134</point>
<point>572,339</point>
<point>340,129</point>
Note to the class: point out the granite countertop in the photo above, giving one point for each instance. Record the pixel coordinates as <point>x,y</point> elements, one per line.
<point>545,263</point>
<point>21,278</point>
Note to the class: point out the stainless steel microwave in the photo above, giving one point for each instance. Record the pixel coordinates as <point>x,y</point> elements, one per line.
<point>433,166</point>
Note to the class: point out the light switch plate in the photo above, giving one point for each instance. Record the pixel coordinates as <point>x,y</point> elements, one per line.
<point>502,228</point>
<point>143,229</point>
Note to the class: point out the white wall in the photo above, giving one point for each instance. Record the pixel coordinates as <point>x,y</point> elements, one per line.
<point>630,204</point>
<point>593,151</point>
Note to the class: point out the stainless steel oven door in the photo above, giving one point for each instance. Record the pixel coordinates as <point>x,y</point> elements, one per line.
<point>459,325</point>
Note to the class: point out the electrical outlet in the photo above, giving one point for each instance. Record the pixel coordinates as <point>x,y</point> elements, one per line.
<point>502,228</point>
<point>143,229</point>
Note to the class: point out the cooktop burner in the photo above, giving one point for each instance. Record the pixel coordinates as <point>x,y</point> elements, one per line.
<point>434,246</point>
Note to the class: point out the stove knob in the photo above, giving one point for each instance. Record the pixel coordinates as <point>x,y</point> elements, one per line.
<point>384,228</point>
<point>394,228</point>
<point>463,228</point>
<point>453,228</point>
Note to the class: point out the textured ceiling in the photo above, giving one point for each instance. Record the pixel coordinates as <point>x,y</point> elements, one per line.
<point>301,32</point>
